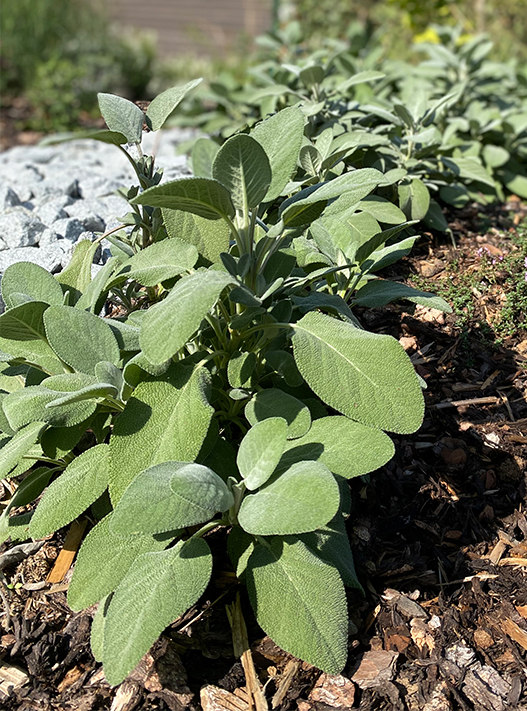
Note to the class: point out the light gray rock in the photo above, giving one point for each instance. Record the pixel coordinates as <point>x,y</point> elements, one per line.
<point>50,213</point>
<point>50,257</point>
<point>86,212</point>
<point>94,186</point>
<point>55,195</point>
<point>49,237</point>
<point>19,228</point>
<point>21,178</point>
<point>56,185</point>
<point>8,197</point>
<point>70,228</point>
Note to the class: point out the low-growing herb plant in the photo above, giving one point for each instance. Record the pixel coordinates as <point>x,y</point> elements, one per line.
<point>235,390</point>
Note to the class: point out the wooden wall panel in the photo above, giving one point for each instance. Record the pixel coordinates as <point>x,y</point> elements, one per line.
<point>199,26</point>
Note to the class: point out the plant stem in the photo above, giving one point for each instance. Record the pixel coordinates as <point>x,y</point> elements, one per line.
<point>208,527</point>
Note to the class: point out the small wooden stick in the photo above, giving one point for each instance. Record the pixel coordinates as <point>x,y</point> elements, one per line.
<point>241,649</point>
<point>67,554</point>
<point>472,401</point>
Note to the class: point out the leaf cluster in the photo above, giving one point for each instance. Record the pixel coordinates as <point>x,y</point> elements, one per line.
<point>449,130</point>
<point>230,385</point>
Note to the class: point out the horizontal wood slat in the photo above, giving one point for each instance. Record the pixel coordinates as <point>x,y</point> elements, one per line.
<point>198,26</point>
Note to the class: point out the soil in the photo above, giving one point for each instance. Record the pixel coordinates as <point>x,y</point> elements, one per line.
<point>439,536</point>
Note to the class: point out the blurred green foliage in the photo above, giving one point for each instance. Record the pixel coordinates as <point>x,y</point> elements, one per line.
<point>58,53</point>
<point>401,20</point>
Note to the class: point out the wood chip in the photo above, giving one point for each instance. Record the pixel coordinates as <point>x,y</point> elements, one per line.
<point>333,690</point>
<point>287,677</point>
<point>515,632</point>
<point>126,697</point>
<point>215,699</point>
<point>11,678</point>
<point>521,562</point>
<point>522,610</point>
<point>487,690</point>
<point>422,635</point>
<point>483,639</point>
<point>67,554</point>
<point>497,552</point>
<point>489,380</point>
<point>472,401</point>
<point>70,678</point>
<point>375,668</point>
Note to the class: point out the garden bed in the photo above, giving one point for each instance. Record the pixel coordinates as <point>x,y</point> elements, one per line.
<point>439,536</point>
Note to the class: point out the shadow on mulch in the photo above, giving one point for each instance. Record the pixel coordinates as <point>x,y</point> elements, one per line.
<point>440,540</point>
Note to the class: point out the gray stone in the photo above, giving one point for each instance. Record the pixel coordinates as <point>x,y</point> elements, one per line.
<point>49,237</point>
<point>19,228</point>
<point>70,228</point>
<point>56,185</point>
<point>85,211</point>
<point>23,179</point>
<point>33,154</point>
<point>50,213</point>
<point>8,197</point>
<point>94,186</point>
<point>50,258</point>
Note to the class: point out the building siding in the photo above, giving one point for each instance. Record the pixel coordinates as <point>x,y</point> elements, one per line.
<point>197,26</point>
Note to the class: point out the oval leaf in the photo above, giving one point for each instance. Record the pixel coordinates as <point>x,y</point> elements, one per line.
<point>347,448</point>
<point>103,561</point>
<point>158,588</point>
<point>168,496</point>
<point>276,403</point>
<point>160,261</point>
<point>242,166</point>
<point>162,421</point>
<point>367,377</point>
<point>300,602</point>
<point>260,451</point>
<point>33,280</point>
<point>80,338</point>
<point>122,116</point>
<point>80,484</point>
<point>167,326</point>
<point>203,197</point>
<point>302,499</point>
<point>163,105</point>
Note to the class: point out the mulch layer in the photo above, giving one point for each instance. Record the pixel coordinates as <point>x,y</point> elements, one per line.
<point>439,535</point>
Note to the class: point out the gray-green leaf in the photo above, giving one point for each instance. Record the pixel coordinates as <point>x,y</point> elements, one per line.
<point>158,588</point>
<point>160,261</point>
<point>168,325</point>
<point>162,421</point>
<point>303,498</point>
<point>24,322</point>
<point>281,137</point>
<point>168,496</point>
<point>80,484</point>
<point>33,280</point>
<point>366,376</point>
<point>201,196</point>
<point>260,451</point>
<point>211,238</point>
<point>80,338</point>
<point>300,602</point>
<point>122,116</point>
<point>273,402</point>
<point>242,166</point>
<point>380,292</point>
<point>347,448</point>
<point>162,106</point>
<point>104,560</point>
<point>12,450</point>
